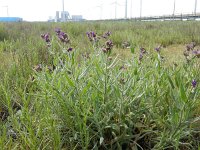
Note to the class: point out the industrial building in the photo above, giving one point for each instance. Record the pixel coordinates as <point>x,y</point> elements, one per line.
<point>11,19</point>
<point>77,17</point>
<point>63,16</point>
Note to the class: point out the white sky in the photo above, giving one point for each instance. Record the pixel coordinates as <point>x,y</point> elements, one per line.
<point>41,10</point>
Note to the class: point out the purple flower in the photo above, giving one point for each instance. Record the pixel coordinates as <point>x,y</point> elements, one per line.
<point>88,34</point>
<point>108,46</point>
<point>92,36</point>
<point>190,46</point>
<point>197,53</point>
<point>57,30</point>
<point>106,49</point>
<point>63,37</point>
<point>70,49</point>
<point>157,49</point>
<point>106,35</point>
<point>143,50</point>
<point>46,37</point>
<point>140,57</point>
<point>194,83</point>
<point>109,43</point>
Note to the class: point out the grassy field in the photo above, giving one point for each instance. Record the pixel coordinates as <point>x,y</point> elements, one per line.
<point>100,85</point>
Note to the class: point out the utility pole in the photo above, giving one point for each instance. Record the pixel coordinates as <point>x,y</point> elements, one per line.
<point>6,10</point>
<point>140,9</point>
<point>131,9</point>
<point>115,3</point>
<point>116,9</point>
<point>101,10</point>
<point>126,5</point>
<point>195,8</point>
<point>174,8</point>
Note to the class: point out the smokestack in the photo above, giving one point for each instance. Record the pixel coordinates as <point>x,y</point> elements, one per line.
<point>116,9</point>
<point>195,8</point>
<point>174,7</point>
<point>140,9</point>
<point>131,9</point>
<point>63,11</point>
<point>57,16</point>
<point>126,5</point>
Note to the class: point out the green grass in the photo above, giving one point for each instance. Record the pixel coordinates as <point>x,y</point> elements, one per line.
<point>104,100</point>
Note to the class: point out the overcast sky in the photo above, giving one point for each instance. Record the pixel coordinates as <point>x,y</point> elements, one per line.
<point>41,10</point>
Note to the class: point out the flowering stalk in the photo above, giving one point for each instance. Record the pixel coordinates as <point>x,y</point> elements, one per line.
<point>106,80</point>
<point>194,83</point>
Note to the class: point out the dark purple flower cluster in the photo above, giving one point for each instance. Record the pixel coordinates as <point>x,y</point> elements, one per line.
<point>194,83</point>
<point>140,57</point>
<point>62,35</point>
<point>190,46</point>
<point>158,49</point>
<point>46,37</point>
<point>57,30</point>
<point>142,52</point>
<point>196,53</point>
<point>92,36</point>
<point>70,49</point>
<point>108,46</point>
<point>106,34</point>
<point>190,49</point>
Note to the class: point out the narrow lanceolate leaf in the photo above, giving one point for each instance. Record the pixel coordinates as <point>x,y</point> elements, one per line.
<point>177,79</point>
<point>83,73</point>
<point>86,88</point>
<point>170,81</point>
<point>182,93</point>
<point>132,50</point>
<point>71,83</point>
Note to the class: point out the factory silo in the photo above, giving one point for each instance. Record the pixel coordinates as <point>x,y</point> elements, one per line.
<point>57,18</point>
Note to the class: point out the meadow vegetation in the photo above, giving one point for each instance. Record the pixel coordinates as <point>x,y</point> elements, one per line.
<point>100,85</point>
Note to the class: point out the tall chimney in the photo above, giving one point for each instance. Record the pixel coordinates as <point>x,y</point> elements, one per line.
<point>126,3</point>
<point>63,11</point>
